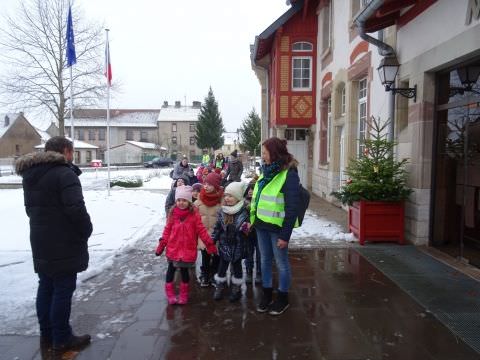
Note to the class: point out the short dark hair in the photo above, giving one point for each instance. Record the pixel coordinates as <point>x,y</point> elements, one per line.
<point>278,150</point>
<point>58,144</point>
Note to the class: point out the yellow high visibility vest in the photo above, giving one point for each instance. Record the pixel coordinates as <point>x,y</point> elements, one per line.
<point>271,204</point>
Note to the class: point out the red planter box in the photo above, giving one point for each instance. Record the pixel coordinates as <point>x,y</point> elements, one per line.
<point>377,221</point>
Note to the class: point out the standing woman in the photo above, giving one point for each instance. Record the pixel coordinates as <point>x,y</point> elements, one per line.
<point>274,214</point>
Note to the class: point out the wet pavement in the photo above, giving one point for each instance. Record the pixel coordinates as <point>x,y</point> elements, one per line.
<point>342,308</point>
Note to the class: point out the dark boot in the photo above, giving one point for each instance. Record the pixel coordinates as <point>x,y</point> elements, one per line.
<point>235,294</point>
<point>75,343</point>
<point>45,342</point>
<point>266,300</point>
<point>219,286</point>
<point>204,279</point>
<point>279,305</point>
<point>45,347</point>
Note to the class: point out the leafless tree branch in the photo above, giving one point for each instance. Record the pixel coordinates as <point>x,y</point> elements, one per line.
<point>33,47</point>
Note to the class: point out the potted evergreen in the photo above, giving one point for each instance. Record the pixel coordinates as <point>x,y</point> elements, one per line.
<point>376,189</point>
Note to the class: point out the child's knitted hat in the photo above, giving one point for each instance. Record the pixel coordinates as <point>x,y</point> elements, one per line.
<point>197,187</point>
<point>183,192</point>
<point>213,179</point>
<point>236,189</point>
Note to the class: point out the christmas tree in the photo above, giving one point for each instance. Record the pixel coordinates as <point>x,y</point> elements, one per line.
<point>209,129</point>
<point>375,175</point>
<point>250,132</point>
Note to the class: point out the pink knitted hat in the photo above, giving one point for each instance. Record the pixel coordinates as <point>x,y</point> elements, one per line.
<point>183,192</point>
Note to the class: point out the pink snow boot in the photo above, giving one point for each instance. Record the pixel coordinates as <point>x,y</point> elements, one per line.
<point>183,297</point>
<point>170,292</point>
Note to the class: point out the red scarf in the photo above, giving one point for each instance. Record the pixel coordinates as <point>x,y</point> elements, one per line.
<point>179,214</point>
<point>210,199</point>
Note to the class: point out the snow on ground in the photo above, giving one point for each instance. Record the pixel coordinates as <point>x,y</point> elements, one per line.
<point>317,231</point>
<point>120,221</point>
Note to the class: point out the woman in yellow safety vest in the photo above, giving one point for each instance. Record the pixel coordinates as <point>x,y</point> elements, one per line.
<point>273,215</point>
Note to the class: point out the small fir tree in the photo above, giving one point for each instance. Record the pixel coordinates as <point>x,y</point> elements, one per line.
<point>375,175</point>
<point>209,129</point>
<point>250,132</point>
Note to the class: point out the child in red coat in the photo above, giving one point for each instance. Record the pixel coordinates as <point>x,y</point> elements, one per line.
<point>184,226</point>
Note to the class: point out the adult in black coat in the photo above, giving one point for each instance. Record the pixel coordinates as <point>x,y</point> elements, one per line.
<point>235,168</point>
<point>59,230</point>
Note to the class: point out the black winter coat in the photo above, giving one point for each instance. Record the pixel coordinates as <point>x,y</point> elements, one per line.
<point>235,170</point>
<point>59,223</point>
<point>231,241</point>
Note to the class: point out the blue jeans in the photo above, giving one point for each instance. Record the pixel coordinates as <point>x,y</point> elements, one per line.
<point>54,303</point>
<point>267,242</point>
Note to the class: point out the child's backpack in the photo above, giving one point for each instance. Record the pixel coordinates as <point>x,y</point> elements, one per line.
<point>304,202</point>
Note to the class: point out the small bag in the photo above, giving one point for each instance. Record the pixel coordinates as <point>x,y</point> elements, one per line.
<point>304,202</point>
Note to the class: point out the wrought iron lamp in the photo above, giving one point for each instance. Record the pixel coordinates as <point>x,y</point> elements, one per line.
<point>388,70</point>
<point>468,76</point>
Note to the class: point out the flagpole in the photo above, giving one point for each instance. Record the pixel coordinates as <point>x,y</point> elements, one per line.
<point>108,114</point>
<point>72,129</point>
<point>71,60</point>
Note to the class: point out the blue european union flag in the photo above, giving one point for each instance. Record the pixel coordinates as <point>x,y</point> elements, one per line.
<point>71,56</point>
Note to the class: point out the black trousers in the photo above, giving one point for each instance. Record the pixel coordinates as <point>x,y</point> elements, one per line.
<point>54,304</point>
<point>171,273</point>
<point>236,268</point>
<point>209,263</point>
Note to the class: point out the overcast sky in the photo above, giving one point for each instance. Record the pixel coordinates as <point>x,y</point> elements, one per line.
<point>169,50</point>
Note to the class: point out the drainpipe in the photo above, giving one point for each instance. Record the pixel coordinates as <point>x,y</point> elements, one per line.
<point>383,49</point>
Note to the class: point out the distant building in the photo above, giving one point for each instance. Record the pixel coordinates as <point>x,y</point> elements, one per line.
<point>177,128</point>
<point>18,136</point>
<point>172,127</point>
<point>134,152</point>
<point>125,125</point>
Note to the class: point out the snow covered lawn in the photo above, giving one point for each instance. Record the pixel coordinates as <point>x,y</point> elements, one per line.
<point>119,222</point>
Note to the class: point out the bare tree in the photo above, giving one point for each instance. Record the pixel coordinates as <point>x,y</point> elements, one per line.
<point>32,46</point>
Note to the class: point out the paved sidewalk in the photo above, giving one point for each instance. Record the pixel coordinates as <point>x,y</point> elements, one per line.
<point>342,308</point>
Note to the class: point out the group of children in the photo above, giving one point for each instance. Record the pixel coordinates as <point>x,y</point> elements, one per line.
<point>215,221</point>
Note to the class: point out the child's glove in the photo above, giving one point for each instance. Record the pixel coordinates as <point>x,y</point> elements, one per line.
<point>160,248</point>
<point>212,249</point>
<point>245,228</point>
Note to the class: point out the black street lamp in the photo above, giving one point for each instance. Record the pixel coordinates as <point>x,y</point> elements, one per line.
<point>387,70</point>
<point>468,76</point>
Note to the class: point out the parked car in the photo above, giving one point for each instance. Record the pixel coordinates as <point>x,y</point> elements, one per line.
<point>158,162</point>
<point>96,163</point>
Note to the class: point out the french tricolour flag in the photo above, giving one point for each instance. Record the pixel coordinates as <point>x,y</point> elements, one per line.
<point>108,65</point>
